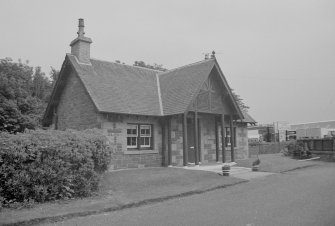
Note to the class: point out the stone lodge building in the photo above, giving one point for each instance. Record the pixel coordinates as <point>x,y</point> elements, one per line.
<point>151,118</point>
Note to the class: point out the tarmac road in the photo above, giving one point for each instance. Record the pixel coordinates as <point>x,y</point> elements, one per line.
<point>301,197</point>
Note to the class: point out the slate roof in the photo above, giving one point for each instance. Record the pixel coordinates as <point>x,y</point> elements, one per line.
<point>248,118</point>
<point>119,88</point>
<point>178,86</point>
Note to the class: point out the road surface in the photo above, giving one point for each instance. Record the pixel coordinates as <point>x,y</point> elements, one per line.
<point>301,197</point>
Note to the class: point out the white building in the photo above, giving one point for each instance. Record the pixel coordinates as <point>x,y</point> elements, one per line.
<point>314,130</point>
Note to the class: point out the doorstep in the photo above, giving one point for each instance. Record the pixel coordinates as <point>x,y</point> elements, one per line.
<point>235,171</point>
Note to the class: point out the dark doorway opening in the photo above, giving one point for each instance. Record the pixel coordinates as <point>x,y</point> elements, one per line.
<point>191,140</point>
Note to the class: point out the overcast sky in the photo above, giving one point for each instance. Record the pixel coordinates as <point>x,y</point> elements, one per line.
<point>279,56</point>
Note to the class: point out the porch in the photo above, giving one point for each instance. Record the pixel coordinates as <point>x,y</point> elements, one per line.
<point>194,138</point>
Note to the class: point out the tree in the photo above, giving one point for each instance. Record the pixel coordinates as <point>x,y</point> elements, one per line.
<point>240,102</point>
<point>41,84</point>
<point>54,76</point>
<point>158,67</point>
<point>23,95</point>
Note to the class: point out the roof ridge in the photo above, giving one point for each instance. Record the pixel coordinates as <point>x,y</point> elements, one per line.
<point>184,66</point>
<point>159,95</point>
<point>145,68</point>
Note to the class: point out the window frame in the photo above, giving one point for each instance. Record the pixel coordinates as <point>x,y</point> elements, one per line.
<point>140,135</point>
<point>132,135</point>
<point>228,138</point>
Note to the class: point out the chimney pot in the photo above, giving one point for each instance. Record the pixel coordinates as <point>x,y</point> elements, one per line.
<point>81,22</point>
<point>81,26</point>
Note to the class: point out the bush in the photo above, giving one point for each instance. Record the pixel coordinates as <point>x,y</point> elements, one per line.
<point>48,165</point>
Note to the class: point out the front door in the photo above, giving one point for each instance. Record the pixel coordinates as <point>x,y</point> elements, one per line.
<point>190,140</point>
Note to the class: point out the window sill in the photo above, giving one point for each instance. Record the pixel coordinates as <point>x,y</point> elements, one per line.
<point>140,152</point>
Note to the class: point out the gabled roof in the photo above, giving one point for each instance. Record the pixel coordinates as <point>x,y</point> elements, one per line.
<point>119,88</point>
<point>179,86</point>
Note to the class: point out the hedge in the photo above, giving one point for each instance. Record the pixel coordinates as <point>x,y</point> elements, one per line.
<point>46,165</point>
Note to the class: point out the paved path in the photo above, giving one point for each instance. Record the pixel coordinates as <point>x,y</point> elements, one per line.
<point>303,197</point>
<point>238,172</point>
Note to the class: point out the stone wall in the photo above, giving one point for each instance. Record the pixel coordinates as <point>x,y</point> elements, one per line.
<point>115,128</point>
<point>208,146</point>
<point>207,143</point>
<point>75,109</point>
<point>242,151</point>
<point>177,141</point>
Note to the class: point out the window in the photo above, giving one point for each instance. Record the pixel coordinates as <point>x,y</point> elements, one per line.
<point>145,135</point>
<point>139,136</point>
<point>132,135</point>
<point>228,137</point>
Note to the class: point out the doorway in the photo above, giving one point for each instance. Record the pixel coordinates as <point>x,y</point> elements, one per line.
<point>191,140</point>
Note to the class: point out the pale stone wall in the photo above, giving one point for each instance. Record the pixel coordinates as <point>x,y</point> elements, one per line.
<point>177,141</point>
<point>242,150</point>
<point>208,147</point>
<point>207,144</point>
<point>115,128</point>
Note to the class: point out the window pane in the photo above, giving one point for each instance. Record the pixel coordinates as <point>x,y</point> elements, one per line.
<point>145,141</point>
<point>145,130</point>
<point>132,141</point>
<point>227,137</point>
<point>227,132</point>
<point>132,130</point>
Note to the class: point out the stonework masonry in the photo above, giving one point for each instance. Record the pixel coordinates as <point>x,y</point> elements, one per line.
<point>82,51</point>
<point>115,128</point>
<point>208,147</point>
<point>75,109</point>
<point>177,140</point>
<point>207,143</point>
<point>242,151</point>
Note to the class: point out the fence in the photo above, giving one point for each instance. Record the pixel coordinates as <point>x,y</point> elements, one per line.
<point>323,148</point>
<point>267,147</point>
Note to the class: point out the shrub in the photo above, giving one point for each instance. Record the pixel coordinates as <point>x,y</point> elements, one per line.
<point>48,165</point>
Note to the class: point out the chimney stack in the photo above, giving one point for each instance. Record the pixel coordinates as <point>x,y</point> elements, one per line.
<point>80,47</point>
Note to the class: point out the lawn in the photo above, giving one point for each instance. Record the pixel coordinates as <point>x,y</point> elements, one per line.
<point>276,163</point>
<point>135,185</point>
<point>125,187</point>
